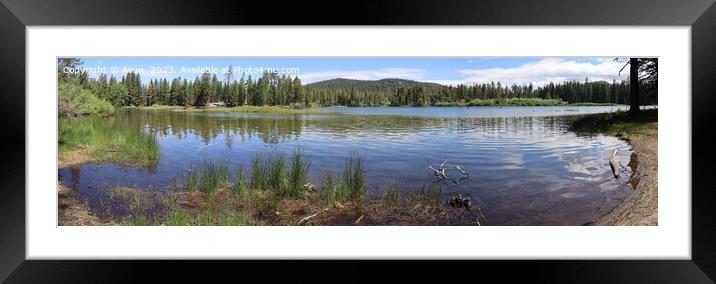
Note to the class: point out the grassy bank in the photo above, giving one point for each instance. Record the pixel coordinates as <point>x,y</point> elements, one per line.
<point>505,102</point>
<point>242,109</point>
<point>101,139</point>
<point>619,123</point>
<point>594,104</point>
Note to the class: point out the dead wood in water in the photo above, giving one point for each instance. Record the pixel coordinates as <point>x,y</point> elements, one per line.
<point>442,177</point>
<point>613,164</point>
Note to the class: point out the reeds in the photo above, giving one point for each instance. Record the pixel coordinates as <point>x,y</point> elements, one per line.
<point>208,177</point>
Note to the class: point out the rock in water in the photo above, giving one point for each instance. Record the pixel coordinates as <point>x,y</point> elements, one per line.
<point>456,201</point>
<point>466,203</point>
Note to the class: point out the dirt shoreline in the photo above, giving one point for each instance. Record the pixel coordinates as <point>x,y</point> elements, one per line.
<point>641,208</point>
<point>71,212</point>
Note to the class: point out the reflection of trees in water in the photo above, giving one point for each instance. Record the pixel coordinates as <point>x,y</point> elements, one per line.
<point>386,125</point>
<point>208,126</point>
<point>279,128</point>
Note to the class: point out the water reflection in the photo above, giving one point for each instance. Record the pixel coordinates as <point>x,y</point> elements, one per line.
<point>525,170</point>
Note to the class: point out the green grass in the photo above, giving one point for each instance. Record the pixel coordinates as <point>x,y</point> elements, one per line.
<point>354,177</point>
<point>391,196</point>
<point>428,196</point>
<point>177,217</point>
<point>332,191</point>
<point>136,220</point>
<point>241,184</point>
<point>208,177</point>
<point>234,218</point>
<point>257,172</point>
<point>261,110</point>
<point>505,102</point>
<point>619,123</point>
<point>107,140</point>
<point>280,176</point>
<point>275,180</point>
<point>593,104</point>
<point>298,174</point>
<point>157,107</point>
<point>350,186</point>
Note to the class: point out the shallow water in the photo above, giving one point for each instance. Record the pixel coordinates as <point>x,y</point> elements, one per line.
<point>526,168</point>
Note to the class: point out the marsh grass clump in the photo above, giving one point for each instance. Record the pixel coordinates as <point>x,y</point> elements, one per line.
<point>354,177</point>
<point>192,178</point>
<point>215,176</point>
<point>241,184</point>
<point>208,177</point>
<point>391,196</point>
<point>258,171</point>
<point>432,196</point>
<point>276,181</point>
<point>106,139</point>
<point>298,174</point>
<point>350,186</point>
<point>332,191</point>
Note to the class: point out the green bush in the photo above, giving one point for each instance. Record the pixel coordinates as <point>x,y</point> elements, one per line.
<point>76,101</point>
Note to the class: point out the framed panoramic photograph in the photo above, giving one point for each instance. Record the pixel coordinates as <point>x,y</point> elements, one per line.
<point>140,136</point>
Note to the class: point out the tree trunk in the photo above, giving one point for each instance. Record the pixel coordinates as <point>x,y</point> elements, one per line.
<point>634,84</point>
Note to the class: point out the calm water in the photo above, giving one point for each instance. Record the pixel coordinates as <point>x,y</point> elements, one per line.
<point>526,167</point>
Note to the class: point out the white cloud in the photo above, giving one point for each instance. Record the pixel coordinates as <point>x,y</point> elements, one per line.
<point>544,71</point>
<point>376,74</point>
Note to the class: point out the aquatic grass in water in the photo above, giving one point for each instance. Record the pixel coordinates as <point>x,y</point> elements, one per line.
<point>241,185</point>
<point>276,169</point>
<point>429,196</point>
<point>258,171</point>
<point>391,196</point>
<point>332,191</point>
<point>298,174</point>
<point>209,177</point>
<point>351,186</point>
<point>354,176</point>
<point>215,176</point>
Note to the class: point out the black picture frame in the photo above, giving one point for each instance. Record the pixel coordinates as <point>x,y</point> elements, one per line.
<point>700,15</point>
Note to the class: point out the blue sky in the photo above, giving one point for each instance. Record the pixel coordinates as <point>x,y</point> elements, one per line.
<point>449,71</point>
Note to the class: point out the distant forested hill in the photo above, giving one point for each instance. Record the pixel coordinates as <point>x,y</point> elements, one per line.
<point>382,85</point>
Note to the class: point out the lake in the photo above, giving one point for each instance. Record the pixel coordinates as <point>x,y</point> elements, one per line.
<point>525,166</point>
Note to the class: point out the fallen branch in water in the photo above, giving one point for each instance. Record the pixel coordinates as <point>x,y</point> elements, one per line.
<point>613,164</point>
<point>442,177</point>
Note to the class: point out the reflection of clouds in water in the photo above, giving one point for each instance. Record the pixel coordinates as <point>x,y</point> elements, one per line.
<point>513,161</point>
<point>572,195</point>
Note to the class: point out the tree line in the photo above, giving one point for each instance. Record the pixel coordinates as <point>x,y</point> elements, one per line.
<point>274,89</point>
